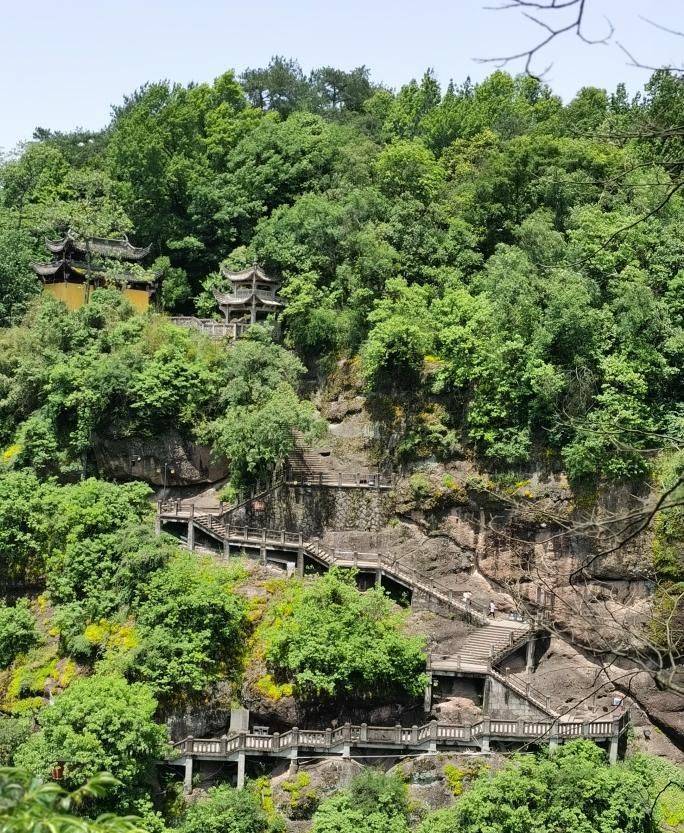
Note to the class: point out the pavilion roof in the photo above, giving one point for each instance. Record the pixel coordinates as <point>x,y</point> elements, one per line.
<point>248,274</point>
<point>227,299</point>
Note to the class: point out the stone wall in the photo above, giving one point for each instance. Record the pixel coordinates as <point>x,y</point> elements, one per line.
<point>313,510</point>
<point>504,704</point>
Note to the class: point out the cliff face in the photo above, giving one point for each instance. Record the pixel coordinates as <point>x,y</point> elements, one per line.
<point>166,459</point>
<point>528,541</point>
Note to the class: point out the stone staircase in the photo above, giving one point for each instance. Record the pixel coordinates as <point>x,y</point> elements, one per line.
<point>490,640</point>
<point>310,467</point>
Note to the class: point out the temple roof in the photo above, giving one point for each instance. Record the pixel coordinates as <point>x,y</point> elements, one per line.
<point>119,248</point>
<point>248,274</point>
<point>49,270</point>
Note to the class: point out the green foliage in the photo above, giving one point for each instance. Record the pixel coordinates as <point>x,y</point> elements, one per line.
<point>100,723</point>
<point>227,810</point>
<point>373,803</point>
<point>13,732</point>
<point>571,789</point>
<point>191,626</point>
<point>17,631</point>
<point>331,640</point>
<point>303,799</point>
<point>67,378</point>
<point>665,784</point>
<point>29,805</point>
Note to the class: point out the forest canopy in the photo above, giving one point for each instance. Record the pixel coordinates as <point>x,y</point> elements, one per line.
<point>492,254</point>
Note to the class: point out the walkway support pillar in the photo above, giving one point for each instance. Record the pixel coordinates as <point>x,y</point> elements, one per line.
<point>300,562</point>
<point>614,743</point>
<point>157,524</point>
<point>241,769</point>
<point>191,535</point>
<point>378,577</point>
<point>226,548</point>
<point>187,777</point>
<point>529,659</point>
<point>554,738</point>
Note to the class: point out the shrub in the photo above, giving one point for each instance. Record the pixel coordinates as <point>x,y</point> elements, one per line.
<point>17,631</point>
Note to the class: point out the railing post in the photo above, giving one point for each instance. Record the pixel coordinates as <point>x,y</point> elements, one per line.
<point>363,737</point>
<point>432,745</point>
<point>275,742</point>
<point>397,734</point>
<point>328,738</point>
<point>224,745</point>
<point>485,737</point>
<point>414,735</point>
<point>295,736</point>
<point>346,740</point>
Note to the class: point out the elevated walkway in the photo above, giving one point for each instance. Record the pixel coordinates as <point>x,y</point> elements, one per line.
<point>359,741</point>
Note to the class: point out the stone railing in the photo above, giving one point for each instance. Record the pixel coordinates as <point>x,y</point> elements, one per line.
<point>211,328</point>
<point>301,477</point>
<point>340,740</point>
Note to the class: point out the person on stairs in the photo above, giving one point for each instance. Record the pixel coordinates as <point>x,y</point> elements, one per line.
<point>492,610</point>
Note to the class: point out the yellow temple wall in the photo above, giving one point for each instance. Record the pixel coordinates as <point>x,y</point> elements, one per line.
<point>139,298</point>
<point>73,294</point>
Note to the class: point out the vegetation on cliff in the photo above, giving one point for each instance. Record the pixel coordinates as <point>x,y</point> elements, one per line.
<point>505,270</point>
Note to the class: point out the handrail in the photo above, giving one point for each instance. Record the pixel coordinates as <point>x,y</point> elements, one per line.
<point>330,740</point>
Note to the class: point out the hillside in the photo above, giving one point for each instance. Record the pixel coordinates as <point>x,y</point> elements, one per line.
<point>464,383</point>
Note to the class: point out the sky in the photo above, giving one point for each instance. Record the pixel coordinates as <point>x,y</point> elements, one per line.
<point>64,64</point>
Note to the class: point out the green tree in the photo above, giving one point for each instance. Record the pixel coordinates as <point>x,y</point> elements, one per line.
<point>17,631</point>
<point>100,723</point>
<point>332,640</point>
<point>573,789</point>
<point>226,810</point>
<point>373,803</point>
